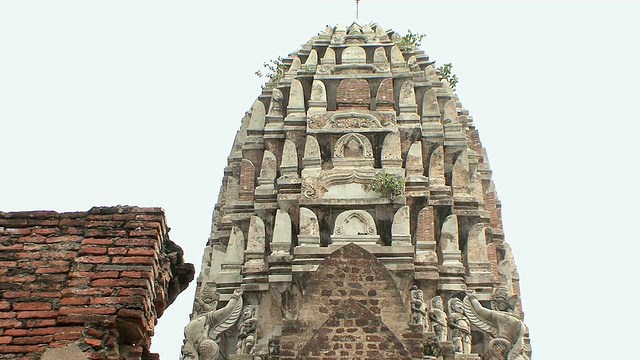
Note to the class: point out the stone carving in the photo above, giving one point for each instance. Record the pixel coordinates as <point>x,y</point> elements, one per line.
<point>313,188</point>
<point>459,327</point>
<point>255,247</point>
<point>506,330</point>
<point>413,63</point>
<point>353,146</point>
<point>356,226</point>
<point>351,120</point>
<point>206,302</point>
<point>247,337</point>
<point>202,332</point>
<point>431,74</point>
<point>438,318</point>
<point>419,309</point>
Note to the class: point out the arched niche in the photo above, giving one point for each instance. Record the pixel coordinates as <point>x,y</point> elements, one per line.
<point>354,55</point>
<point>384,98</point>
<point>353,150</point>
<point>357,226</point>
<point>353,93</point>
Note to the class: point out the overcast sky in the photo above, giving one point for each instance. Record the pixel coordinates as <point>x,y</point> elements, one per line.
<point>137,103</point>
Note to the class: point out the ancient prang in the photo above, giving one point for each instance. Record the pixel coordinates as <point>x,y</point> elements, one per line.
<point>357,218</point>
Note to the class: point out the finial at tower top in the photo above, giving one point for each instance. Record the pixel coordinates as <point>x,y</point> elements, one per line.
<point>357,5</point>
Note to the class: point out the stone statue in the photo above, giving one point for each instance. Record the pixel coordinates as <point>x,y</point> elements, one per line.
<point>201,333</point>
<point>207,301</point>
<point>459,327</point>
<point>438,318</point>
<point>247,336</point>
<point>418,309</point>
<point>506,329</point>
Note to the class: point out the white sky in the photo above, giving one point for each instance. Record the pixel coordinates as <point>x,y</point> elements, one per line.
<point>137,102</point>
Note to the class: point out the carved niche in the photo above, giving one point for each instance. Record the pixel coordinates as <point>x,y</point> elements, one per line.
<point>353,150</point>
<point>357,226</point>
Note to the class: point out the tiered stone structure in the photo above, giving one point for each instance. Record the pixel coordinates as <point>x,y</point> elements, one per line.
<point>332,264</point>
<point>86,285</point>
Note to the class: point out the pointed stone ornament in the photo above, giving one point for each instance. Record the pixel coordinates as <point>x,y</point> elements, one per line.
<point>231,267</point>
<point>312,60</point>
<point>339,34</point>
<point>408,107</point>
<point>451,269</point>
<point>426,260</point>
<point>400,229</point>
<point>289,164</point>
<point>436,167</point>
<point>318,100</point>
<point>312,158</point>
<point>309,228</point>
<point>380,56</point>
<point>265,191</point>
<point>477,258</point>
<point>397,59</point>
<point>255,267</point>
<point>431,74</point>
<point>329,57</point>
<point>296,109</point>
<point>281,242</point>
<point>247,180</point>
<point>414,165</point>
<point>391,151</point>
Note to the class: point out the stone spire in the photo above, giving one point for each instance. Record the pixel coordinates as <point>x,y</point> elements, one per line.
<point>357,176</point>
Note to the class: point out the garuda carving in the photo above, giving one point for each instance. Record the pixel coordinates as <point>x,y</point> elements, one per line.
<point>506,329</point>
<point>202,332</point>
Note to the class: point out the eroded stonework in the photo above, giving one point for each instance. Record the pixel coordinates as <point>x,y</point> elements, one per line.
<point>307,261</point>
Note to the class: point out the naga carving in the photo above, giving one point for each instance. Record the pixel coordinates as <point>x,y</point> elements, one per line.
<point>506,330</point>
<point>203,331</point>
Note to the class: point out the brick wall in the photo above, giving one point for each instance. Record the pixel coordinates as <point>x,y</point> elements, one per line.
<point>353,93</point>
<point>98,280</point>
<point>351,298</point>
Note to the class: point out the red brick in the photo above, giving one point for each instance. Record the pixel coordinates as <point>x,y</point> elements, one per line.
<point>119,283</point>
<point>32,323</point>
<point>16,231</point>
<point>5,305</point>
<point>16,332</point>
<point>136,242</point>
<point>23,348</point>
<point>7,314</point>
<point>86,311</point>
<point>52,270</point>
<point>87,318</point>
<point>65,238</point>
<point>93,250</point>
<point>13,247</point>
<point>68,334</point>
<point>5,340</point>
<point>93,259</point>
<point>10,324</point>
<point>37,314</point>
<point>15,294</point>
<point>74,301</point>
<point>32,340</point>
<point>46,294</point>
<point>91,241</point>
<point>117,251</point>
<point>40,306</point>
<point>143,260</point>
<point>106,275</point>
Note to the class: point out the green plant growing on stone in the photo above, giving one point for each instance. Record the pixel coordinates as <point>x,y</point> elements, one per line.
<point>444,72</point>
<point>275,70</point>
<point>388,185</point>
<point>410,41</point>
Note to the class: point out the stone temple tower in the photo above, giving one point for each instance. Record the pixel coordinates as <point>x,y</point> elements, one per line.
<point>357,218</point>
